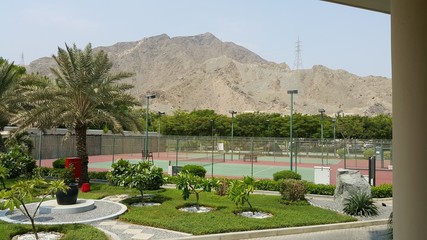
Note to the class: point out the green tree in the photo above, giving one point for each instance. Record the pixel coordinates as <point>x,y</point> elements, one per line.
<point>22,191</point>
<point>240,190</point>
<point>190,183</point>
<point>9,80</point>
<point>84,93</point>
<point>350,126</point>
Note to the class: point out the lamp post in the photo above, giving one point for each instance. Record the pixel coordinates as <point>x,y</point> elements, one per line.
<point>334,121</point>
<point>291,92</point>
<point>146,123</point>
<point>232,132</point>
<point>158,134</point>
<point>321,111</point>
<point>213,143</point>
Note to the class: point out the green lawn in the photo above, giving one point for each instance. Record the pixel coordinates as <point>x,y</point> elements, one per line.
<point>224,219</point>
<point>167,216</point>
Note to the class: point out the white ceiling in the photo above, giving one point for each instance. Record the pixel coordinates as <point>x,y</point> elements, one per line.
<point>374,5</point>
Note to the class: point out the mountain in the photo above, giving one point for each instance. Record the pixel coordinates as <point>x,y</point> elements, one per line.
<point>202,72</point>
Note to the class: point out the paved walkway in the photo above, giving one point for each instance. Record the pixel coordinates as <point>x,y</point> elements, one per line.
<point>379,232</point>
<point>119,230</point>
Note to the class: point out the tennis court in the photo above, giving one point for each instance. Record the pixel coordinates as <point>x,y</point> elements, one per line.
<point>221,164</point>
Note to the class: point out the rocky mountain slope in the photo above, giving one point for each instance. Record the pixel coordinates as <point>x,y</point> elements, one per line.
<point>202,72</point>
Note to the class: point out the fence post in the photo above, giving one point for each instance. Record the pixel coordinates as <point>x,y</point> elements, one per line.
<point>177,150</point>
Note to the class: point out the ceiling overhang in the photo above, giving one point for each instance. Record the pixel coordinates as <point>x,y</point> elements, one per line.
<point>374,5</point>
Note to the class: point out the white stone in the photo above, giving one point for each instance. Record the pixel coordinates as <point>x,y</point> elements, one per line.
<point>258,215</point>
<point>348,182</point>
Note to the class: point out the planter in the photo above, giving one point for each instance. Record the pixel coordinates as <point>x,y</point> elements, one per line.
<point>70,197</point>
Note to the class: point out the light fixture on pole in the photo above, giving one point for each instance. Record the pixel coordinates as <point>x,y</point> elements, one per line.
<point>321,111</point>
<point>232,132</point>
<point>334,121</point>
<point>213,143</point>
<point>291,92</point>
<point>146,123</point>
<point>158,134</point>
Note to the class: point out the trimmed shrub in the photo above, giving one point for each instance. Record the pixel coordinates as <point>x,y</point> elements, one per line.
<point>291,189</point>
<point>286,174</point>
<point>368,153</point>
<point>321,189</point>
<point>360,204</point>
<point>18,163</point>
<point>195,170</point>
<point>59,163</point>
<point>267,184</point>
<point>382,191</point>
<point>98,175</point>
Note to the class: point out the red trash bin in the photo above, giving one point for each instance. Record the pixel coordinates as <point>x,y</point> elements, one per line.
<point>77,163</point>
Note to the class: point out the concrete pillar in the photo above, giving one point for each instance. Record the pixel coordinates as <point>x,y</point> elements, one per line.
<point>409,63</point>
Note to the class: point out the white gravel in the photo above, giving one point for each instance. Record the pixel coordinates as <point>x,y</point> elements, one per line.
<point>41,235</point>
<point>195,210</point>
<point>257,215</point>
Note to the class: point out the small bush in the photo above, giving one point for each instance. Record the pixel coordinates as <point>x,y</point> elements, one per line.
<point>387,155</point>
<point>42,172</point>
<point>368,153</point>
<point>360,204</point>
<point>118,173</point>
<point>98,175</point>
<point>18,163</point>
<point>321,189</point>
<point>222,186</point>
<point>59,163</point>
<point>286,174</point>
<point>291,189</point>
<point>170,179</point>
<point>195,170</point>
<point>382,191</point>
<point>341,152</point>
<point>267,184</point>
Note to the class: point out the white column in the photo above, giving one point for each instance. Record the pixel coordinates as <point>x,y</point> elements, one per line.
<point>409,62</point>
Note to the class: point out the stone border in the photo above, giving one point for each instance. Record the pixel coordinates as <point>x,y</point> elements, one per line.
<point>286,231</point>
<point>122,210</point>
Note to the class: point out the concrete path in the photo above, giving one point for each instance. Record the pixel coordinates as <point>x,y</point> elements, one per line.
<point>365,233</point>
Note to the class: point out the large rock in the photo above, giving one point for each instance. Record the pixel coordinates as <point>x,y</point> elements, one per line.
<point>348,182</point>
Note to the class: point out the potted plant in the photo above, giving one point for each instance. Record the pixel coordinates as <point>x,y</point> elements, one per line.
<point>69,196</point>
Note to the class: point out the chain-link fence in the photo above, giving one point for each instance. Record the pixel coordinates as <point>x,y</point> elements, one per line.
<point>353,153</point>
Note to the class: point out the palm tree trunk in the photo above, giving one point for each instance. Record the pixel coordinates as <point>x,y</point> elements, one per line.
<point>82,153</point>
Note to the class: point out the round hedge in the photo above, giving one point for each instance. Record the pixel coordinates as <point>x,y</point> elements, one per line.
<point>195,170</point>
<point>286,174</point>
<point>59,163</point>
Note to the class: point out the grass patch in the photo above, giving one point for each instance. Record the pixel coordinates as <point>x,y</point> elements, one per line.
<point>100,190</point>
<point>223,218</point>
<point>72,231</point>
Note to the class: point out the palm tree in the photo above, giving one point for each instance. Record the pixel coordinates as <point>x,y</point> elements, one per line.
<point>9,78</point>
<point>83,94</point>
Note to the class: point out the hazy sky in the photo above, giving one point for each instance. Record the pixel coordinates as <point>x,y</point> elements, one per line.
<point>336,36</point>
